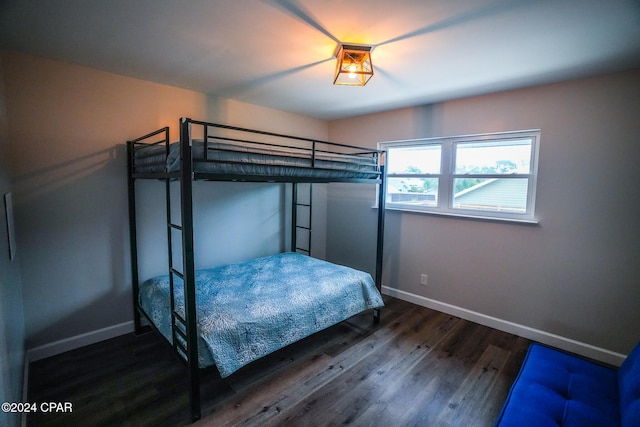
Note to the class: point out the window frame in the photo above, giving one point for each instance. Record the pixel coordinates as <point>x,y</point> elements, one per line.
<point>447,175</point>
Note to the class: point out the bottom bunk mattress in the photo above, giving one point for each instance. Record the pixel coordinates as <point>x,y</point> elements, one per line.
<point>250,309</point>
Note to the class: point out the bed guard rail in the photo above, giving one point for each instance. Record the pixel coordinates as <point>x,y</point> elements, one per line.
<point>215,143</point>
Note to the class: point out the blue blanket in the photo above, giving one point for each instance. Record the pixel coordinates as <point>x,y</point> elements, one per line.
<point>248,310</point>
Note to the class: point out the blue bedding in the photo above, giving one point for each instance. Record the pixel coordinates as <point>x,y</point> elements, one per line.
<point>248,310</point>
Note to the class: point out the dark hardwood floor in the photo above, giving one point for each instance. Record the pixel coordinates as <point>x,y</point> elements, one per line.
<point>418,367</point>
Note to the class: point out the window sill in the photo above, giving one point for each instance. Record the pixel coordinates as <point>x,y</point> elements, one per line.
<point>466,217</point>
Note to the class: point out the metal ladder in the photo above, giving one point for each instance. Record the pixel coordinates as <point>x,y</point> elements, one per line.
<point>301,219</point>
<point>178,322</point>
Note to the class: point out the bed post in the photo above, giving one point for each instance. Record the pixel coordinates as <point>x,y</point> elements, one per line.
<point>186,201</point>
<point>133,239</point>
<point>294,216</point>
<point>382,189</point>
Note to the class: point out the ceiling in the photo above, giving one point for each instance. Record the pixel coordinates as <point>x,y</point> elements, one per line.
<point>279,53</point>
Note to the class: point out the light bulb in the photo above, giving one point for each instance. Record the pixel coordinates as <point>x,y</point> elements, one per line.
<point>352,71</point>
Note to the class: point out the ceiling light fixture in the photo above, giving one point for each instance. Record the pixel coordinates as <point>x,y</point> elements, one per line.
<point>354,67</point>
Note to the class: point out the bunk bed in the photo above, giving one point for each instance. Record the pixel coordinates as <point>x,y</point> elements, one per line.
<point>227,316</point>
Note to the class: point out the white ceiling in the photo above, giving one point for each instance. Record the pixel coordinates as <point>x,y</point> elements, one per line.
<point>278,53</point>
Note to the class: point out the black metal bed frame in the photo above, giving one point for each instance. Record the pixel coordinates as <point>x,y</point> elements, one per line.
<point>184,331</point>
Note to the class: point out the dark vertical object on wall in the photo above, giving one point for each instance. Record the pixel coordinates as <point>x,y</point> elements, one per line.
<point>11,233</point>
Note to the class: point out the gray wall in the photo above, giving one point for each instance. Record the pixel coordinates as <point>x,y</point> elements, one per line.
<point>577,273</point>
<point>11,315</point>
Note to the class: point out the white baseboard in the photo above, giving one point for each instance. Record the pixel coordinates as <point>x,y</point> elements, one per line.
<point>71,343</point>
<point>567,344</point>
<point>563,343</point>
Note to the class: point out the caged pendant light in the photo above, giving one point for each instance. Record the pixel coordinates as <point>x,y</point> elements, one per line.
<point>354,67</point>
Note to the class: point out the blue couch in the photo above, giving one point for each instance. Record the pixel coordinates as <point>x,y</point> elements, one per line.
<point>554,388</point>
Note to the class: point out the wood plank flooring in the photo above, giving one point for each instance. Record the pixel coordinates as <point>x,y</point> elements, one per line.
<point>418,367</point>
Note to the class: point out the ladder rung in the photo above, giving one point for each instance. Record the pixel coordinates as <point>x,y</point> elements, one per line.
<point>178,317</point>
<point>303,250</point>
<point>303,204</point>
<point>179,332</point>
<point>182,350</point>
<point>303,227</point>
<point>182,344</point>
<point>177,273</point>
<point>175,226</point>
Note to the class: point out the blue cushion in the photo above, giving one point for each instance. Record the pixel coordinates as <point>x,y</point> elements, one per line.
<point>554,388</point>
<point>629,384</point>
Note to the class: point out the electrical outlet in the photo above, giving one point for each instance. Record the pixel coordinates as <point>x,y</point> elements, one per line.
<point>424,279</point>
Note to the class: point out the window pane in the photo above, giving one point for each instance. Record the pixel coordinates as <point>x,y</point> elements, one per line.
<point>490,194</point>
<point>413,191</point>
<point>425,159</point>
<point>499,157</point>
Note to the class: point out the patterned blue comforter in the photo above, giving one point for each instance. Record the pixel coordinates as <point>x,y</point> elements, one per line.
<point>248,310</point>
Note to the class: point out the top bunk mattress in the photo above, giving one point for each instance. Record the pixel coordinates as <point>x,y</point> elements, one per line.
<point>250,309</point>
<point>225,158</point>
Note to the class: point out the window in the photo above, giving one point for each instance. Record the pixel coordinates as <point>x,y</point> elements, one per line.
<point>485,176</point>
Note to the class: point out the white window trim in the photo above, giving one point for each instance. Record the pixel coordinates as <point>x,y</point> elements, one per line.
<point>445,199</point>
